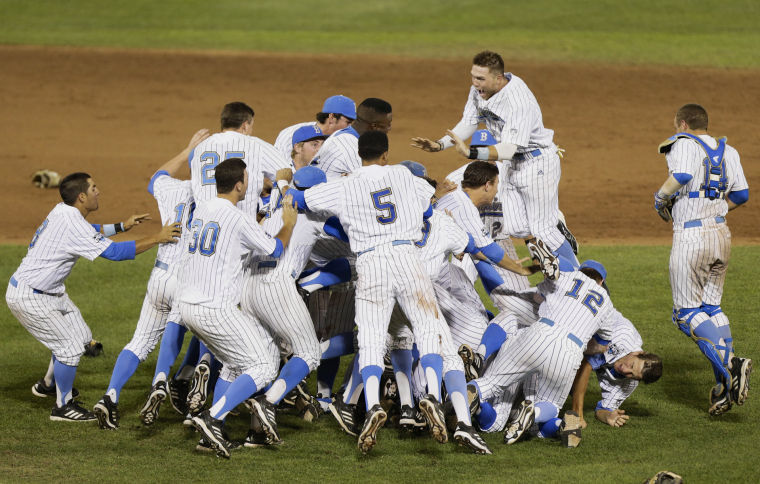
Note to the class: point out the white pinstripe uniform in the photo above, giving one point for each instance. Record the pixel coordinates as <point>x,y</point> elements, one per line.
<point>530,185</point>
<point>210,282</point>
<point>701,238</point>
<point>381,210</point>
<point>339,154</point>
<point>284,141</point>
<point>36,294</point>
<point>269,289</point>
<point>175,204</point>
<point>575,308</point>
<point>261,159</point>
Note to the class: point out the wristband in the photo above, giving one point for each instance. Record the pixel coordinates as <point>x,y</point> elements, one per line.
<point>112,229</point>
<point>445,142</point>
<point>479,153</point>
<point>281,184</point>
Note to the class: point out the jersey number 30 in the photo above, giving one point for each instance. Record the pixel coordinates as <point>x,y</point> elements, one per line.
<point>388,209</point>
<point>204,236</point>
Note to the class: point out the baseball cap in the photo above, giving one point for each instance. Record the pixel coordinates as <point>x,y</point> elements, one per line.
<point>482,137</point>
<point>340,104</point>
<point>307,133</point>
<point>417,169</point>
<point>597,266</point>
<point>307,177</point>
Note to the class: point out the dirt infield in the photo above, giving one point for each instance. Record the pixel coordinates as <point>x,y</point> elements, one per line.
<point>120,114</point>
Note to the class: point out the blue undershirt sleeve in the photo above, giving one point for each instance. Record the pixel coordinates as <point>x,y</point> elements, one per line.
<point>154,178</point>
<point>120,251</point>
<point>471,247</point>
<point>278,249</point>
<point>426,215</point>
<point>493,251</point>
<point>334,228</point>
<point>96,227</point>
<point>682,178</point>
<point>740,196</point>
<point>299,201</point>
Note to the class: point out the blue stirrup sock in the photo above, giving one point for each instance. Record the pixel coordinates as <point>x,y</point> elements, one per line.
<point>550,428</point>
<point>339,345</point>
<point>171,344</point>
<point>371,377</point>
<point>326,373</point>
<point>402,361</point>
<point>238,391</point>
<point>64,382</point>
<point>291,375</point>
<point>545,411</point>
<point>190,359</point>
<point>355,383</point>
<point>433,367</point>
<point>456,386</point>
<point>493,337</point>
<point>566,252</point>
<point>125,367</point>
<point>486,417</point>
<point>220,389</point>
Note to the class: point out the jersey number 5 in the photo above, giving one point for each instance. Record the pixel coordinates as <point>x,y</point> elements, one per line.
<point>389,210</point>
<point>210,159</point>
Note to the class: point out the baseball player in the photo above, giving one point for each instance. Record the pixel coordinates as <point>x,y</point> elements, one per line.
<point>307,140</point>
<point>175,204</point>
<point>338,112</point>
<point>339,154</point>
<point>36,294</point>
<point>705,181</point>
<point>382,209</point>
<point>512,116</point>
<point>210,283</point>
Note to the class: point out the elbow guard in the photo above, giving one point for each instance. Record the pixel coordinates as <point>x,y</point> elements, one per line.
<point>493,251</point>
<point>740,196</point>
<point>120,251</point>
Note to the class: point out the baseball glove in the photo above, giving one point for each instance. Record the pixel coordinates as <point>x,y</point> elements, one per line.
<point>663,205</point>
<point>665,477</point>
<point>93,348</point>
<point>46,179</point>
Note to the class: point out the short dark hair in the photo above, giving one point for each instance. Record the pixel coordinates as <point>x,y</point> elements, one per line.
<point>478,173</point>
<point>652,367</point>
<point>228,173</point>
<point>235,114</point>
<point>72,185</point>
<point>431,181</point>
<point>593,274</point>
<point>377,105</point>
<point>694,115</point>
<point>491,60</point>
<point>372,144</point>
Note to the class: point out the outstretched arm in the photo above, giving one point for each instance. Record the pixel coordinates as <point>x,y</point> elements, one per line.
<point>578,392</point>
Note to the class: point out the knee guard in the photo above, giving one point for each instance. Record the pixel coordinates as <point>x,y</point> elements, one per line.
<point>682,319</point>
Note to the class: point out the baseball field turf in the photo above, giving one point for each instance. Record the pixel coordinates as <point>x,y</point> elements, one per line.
<point>669,426</point>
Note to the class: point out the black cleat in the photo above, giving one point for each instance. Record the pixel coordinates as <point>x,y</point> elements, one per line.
<point>71,412</point>
<point>212,430</point>
<point>524,418</point>
<point>107,413</point>
<point>466,436</point>
<point>266,413</point>
<point>375,419</point>
<point>741,368</point>
<point>473,362</point>
<point>93,349</point>
<point>149,412</point>
<point>345,415</point>
<point>178,390</point>
<point>411,420</point>
<point>544,258</point>
<point>720,399</point>
<point>562,227</point>
<point>196,397</point>
<point>473,399</point>
<point>433,412</point>
<point>41,390</point>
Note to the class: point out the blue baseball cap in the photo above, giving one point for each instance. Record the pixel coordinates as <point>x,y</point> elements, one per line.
<point>307,133</point>
<point>597,266</point>
<point>417,169</point>
<point>307,177</point>
<point>340,104</point>
<point>482,137</point>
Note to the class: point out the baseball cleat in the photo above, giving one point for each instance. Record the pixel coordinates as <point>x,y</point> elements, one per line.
<point>741,368</point>
<point>345,415</point>
<point>266,413</point>
<point>411,420</point>
<point>212,430</point>
<point>720,399</point>
<point>149,411</point>
<point>41,390</point>
<point>375,419</point>
<point>562,227</point>
<point>433,412</point>
<point>570,429</point>
<point>178,390</point>
<point>473,362</point>
<point>544,258</point>
<point>198,393</point>
<point>524,418</point>
<point>107,413</point>
<point>71,412</point>
<point>466,436</point>
<point>473,399</point>
<point>204,446</point>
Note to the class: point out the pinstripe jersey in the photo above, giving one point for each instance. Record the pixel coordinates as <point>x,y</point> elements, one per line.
<point>441,236</point>
<point>375,204</point>
<point>339,154</point>
<point>466,215</point>
<point>63,237</point>
<point>493,213</point>
<point>578,305</point>
<point>688,157</point>
<point>625,339</point>
<point>511,115</point>
<point>175,204</point>
<point>284,141</point>
<point>212,270</point>
<point>261,158</point>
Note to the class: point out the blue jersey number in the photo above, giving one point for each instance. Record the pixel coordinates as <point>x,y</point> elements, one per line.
<point>40,229</point>
<point>179,210</point>
<point>425,234</point>
<point>205,237</point>
<point>210,159</point>
<point>388,209</point>
<point>592,300</point>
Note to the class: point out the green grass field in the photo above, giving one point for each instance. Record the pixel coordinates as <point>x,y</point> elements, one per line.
<point>669,426</point>
<point>703,32</point>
